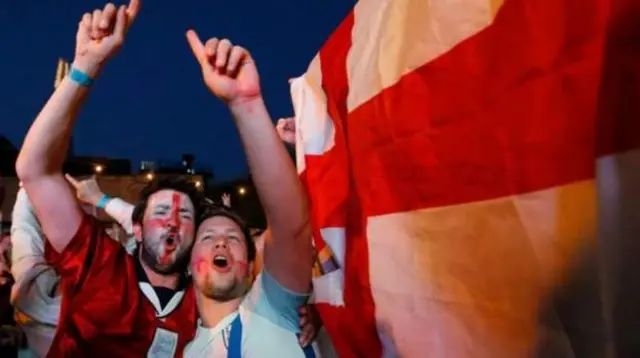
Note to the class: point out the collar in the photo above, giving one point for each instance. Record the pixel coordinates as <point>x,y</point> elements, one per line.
<point>151,294</point>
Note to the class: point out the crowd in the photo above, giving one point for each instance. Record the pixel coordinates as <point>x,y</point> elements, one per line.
<point>187,277</point>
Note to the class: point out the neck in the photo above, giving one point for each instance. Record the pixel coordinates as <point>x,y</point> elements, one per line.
<point>212,311</point>
<point>158,279</point>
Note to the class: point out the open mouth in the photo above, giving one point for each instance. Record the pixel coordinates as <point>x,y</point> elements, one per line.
<point>171,242</point>
<point>220,261</point>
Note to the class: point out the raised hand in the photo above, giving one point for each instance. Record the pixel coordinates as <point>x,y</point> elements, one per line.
<point>101,34</point>
<point>286,128</point>
<point>228,70</point>
<point>226,200</point>
<point>87,190</point>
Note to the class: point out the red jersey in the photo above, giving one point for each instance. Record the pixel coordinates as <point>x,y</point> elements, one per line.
<point>108,307</point>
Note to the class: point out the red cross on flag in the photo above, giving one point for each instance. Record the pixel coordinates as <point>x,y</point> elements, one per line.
<point>449,150</point>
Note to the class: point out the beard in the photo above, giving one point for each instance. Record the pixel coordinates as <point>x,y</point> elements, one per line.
<point>227,291</point>
<point>150,255</point>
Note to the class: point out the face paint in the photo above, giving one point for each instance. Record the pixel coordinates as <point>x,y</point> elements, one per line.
<point>200,265</point>
<point>241,265</point>
<point>173,218</point>
<point>175,210</point>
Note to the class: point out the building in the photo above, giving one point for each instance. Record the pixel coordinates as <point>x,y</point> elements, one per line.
<point>82,166</point>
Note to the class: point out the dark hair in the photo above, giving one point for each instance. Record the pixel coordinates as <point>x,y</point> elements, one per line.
<point>212,210</point>
<point>172,183</point>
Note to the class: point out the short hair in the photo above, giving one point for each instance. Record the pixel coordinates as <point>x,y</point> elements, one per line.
<point>212,210</point>
<point>178,184</point>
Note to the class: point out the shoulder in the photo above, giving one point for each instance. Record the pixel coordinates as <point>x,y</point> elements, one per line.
<point>270,300</point>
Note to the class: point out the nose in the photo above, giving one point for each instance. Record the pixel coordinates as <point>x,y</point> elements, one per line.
<point>173,222</point>
<point>221,242</point>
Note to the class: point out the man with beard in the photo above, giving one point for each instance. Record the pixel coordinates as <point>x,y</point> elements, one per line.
<point>240,316</point>
<point>113,304</point>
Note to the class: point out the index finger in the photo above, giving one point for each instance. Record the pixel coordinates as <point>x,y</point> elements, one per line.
<point>196,45</point>
<point>132,9</point>
<point>72,180</point>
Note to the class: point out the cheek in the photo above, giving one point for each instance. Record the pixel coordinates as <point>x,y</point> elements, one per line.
<point>241,266</point>
<point>155,223</point>
<point>187,228</point>
<point>199,265</point>
<point>240,261</point>
<point>152,227</point>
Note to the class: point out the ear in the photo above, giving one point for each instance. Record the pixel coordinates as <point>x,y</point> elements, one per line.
<point>137,232</point>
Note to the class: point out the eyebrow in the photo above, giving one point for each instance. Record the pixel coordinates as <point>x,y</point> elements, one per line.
<point>183,209</point>
<point>228,231</point>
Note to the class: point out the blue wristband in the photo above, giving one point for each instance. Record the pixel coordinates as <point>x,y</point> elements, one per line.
<point>80,77</point>
<point>102,203</point>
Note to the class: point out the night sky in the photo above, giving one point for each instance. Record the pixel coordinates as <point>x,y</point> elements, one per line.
<point>150,102</point>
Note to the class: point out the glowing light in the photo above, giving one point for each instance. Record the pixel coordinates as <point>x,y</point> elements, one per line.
<point>242,190</point>
<point>150,176</point>
<point>198,183</point>
<point>98,168</point>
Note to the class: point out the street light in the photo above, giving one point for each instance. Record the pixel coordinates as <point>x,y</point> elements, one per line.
<point>198,183</point>
<point>149,176</point>
<point>98,168</point>
<point>242,190</point>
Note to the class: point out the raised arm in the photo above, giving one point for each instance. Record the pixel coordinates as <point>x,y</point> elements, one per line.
<point>88,191</point>
<point>39,165</point>
<point>231,74</point>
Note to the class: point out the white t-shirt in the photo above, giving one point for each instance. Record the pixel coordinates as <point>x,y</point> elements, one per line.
<point>270,323</point>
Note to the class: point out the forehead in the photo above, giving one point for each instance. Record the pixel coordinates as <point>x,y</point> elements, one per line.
<point>170,197</point>
<point>219,224</point>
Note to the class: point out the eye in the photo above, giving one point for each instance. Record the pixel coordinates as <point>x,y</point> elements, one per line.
<point>234,238</point>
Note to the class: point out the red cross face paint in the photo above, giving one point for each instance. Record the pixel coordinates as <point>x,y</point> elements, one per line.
<point>168,228</point>
<point>219,259</point>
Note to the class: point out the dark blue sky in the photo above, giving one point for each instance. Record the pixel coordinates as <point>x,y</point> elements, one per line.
<point>150,103</point>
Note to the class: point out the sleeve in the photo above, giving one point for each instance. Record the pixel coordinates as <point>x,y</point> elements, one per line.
<point>35,280</point>
<point>121,211</point>
<point>26,238</point>
<point>271,300</point>
<point>89,251</point>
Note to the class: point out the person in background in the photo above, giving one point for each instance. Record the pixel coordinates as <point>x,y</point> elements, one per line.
<point>35,295</point>
<point>88,191</point>
<point>240,315</point>
<point>11,338</point>
<point>286,129</point>
<point>226,200</point>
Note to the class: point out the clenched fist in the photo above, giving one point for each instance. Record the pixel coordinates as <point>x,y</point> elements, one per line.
<point>228,70</point>
<point>100,35</point>
<point>286,128</point>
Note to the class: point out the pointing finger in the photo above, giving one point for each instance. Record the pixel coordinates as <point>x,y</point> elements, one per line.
<point>133,9</point>
<point>72,180</point>
<point>196,46</point>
